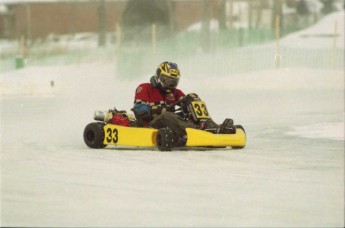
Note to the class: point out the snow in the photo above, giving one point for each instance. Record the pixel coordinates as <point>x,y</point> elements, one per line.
<point>327,33</point>
<point>321,130</point>
<point>290,174</point>
<point>197,26</point>
<point>3,9</point>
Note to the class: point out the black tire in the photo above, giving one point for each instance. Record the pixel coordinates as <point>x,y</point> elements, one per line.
<point>165,139</point>
<point>238,147</point>
<point>94,135</point>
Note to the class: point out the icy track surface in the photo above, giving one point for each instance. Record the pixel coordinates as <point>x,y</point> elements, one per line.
<point>290,174</point>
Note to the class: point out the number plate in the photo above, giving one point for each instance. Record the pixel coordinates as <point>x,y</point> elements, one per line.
<point>111,135</point>
<point>200,110</point>
<point>129,136</point>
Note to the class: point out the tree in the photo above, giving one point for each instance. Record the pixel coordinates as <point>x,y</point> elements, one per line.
<point>328,6</point>
<point>139,15</point>
<point>302,8</point>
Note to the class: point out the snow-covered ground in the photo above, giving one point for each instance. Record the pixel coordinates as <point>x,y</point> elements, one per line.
<point>291,173</point>
<point>327,33</point>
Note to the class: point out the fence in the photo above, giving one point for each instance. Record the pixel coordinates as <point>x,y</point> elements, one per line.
<point>230,52</point>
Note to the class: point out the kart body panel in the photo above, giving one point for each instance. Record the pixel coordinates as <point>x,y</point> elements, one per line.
<point>129,136</point>
<point>204,138</point>
<point>146,137</point>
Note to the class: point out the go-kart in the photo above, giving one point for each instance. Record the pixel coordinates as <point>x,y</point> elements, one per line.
<point>120,128</point>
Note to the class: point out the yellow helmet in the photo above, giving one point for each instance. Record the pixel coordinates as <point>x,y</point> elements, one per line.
<point>168,75</point>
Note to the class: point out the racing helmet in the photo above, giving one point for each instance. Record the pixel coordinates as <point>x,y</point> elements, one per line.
<point>168,75</point>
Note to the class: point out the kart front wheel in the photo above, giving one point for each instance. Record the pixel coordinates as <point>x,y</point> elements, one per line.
<point>165,139</point>
<point>94,135</point>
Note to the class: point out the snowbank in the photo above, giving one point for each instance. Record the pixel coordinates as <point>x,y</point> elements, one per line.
<point>327,33</point>
<point>333,131</point>
<point>47,80</point>
<point>31,81</point>
<point>285,79</point>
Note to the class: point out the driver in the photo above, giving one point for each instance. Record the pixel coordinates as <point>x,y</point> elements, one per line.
<point>152,99</point>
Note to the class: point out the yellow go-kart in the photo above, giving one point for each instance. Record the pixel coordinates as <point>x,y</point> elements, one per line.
<point>118,128</point>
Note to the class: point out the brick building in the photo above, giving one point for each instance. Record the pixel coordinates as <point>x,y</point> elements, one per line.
<point>37,19</point>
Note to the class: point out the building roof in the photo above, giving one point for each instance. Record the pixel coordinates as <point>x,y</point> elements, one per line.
<point>47,1</point>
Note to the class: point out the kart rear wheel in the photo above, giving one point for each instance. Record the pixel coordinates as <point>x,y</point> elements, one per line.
<point>165,139</point>
<point>238,147</point>
<point>94,135</point>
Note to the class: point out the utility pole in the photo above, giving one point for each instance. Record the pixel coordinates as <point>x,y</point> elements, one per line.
<point>205,30</point>
<point>277,12</point>
<point>29,24</point>
<point>222,15</point>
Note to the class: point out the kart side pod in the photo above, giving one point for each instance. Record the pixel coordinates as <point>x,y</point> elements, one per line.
<point>100,134</point>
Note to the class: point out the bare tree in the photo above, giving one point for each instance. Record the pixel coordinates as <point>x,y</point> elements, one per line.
<point>139,15</point>
<point>328,6</point>
<point>102,23</point>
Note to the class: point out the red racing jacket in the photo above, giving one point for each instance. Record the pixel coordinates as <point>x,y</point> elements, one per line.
<point>146,93</point>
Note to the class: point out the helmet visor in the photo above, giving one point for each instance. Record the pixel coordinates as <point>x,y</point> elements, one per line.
<point>169,82</point>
